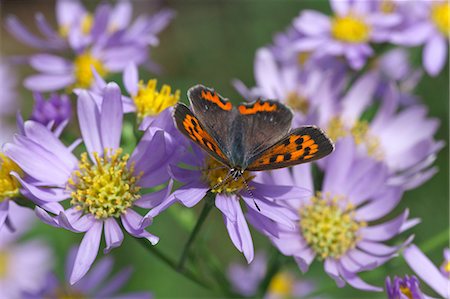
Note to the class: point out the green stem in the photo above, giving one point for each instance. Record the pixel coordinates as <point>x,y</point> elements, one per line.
<point>209,204</point>
<point>172,264</point>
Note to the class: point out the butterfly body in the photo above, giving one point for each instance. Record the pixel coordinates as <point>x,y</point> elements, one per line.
<point>252,136</point>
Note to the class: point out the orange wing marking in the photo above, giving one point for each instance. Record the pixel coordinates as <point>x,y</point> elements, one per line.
<point>207,95</point>
<point>197,134</point>
<point>297,147</point>
<point>257,107</point>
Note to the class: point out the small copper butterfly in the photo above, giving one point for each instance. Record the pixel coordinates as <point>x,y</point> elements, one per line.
<point>252,136</point>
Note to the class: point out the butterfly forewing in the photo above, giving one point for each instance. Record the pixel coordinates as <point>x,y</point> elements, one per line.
<point>215,113</point>
<point>263,123</point>
<point>190,126</point>
<point>302,145</point>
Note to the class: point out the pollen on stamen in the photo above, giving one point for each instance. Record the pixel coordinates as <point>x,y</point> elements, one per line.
<point>4,261</point>
<point>328,225</point>
<point>106,188</point>
<point>9,185</point>
<point>150,102</point>
<point>217,177</point>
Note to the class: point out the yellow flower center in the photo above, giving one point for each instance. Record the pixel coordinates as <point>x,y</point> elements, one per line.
<point>281,285</point>
<point>297,102</point>
<point>350,29</point>
<point>440,15</point>
<point>328,225</point>
<point>83,65</point>
<point>3,264</point>
<point>69,294</point>
<point>150,102</point>
<point>106,188</point>
<point>406,291</point>
<point>218,179</point>
<point>303,57</point>
<point>387,6</point>
<point>446,268</point>
<point>86,26</point>
<point>9,186</point>
<point>360,133</point>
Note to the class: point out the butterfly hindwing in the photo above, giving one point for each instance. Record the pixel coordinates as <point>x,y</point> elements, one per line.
<point>214,112</point>
<point>263,123</point>
<point>190,126</point>
<point>304,144</point>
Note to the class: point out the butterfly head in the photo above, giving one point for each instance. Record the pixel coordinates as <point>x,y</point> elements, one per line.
<point>236,173</point>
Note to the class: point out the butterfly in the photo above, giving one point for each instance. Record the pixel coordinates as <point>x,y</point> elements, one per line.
<point>251,136</point>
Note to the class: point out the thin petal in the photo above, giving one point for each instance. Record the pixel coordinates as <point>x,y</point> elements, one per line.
<point>435,54</point>
<point>131,79</point>
<point>111,116</point>
<point>50,64</point>
<point>151,200</point>
<point>87,252</point>
<point>89,120</point>
<point>45,83</point>
<point>113,235</point>
<point>236,225</point>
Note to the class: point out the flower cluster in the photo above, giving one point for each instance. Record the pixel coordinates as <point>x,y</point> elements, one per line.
<point>101,156</point>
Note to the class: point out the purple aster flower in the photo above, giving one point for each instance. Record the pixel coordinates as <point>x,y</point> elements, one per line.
<point>393,136</point>
<point>94,285</point>
<point>56,110</point>
<point>57,72</point>
<point>104,186</point>
<point>144,99</point>
<point>404,288</point>
<point>427,24</point>
<point>206,174</point>
<point>17,258</point>
<point>301,88</point>
<point>396,71</point>
<point>347,33</point>
<point>9,189</point>
<point>245,280</point>
<point>78,28</point>
<point>336,222</point>
<point>427,271</point>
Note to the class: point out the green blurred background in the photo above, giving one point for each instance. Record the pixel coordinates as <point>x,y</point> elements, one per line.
<point>212,42</point>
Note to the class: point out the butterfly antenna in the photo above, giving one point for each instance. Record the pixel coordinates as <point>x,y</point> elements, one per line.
<point>251,193</point>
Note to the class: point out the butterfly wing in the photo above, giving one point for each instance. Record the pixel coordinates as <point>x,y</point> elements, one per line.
<point>215,113</point>
<point>190,126</point>
<point>262,123</point>
<point>304,144</point>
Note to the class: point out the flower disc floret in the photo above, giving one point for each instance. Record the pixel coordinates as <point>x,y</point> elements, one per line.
<point>440,15</point>
<point>3,264</point>
<point>350,29</point>
<point>217,177</point>
<point>297,102</point>
<point>106,188</point>
<point>328,225</point>
<point>83,65</point>
<point>9,186</point>
<point>361,134</point>
<point>150,102</point>
<point>282,284</point>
